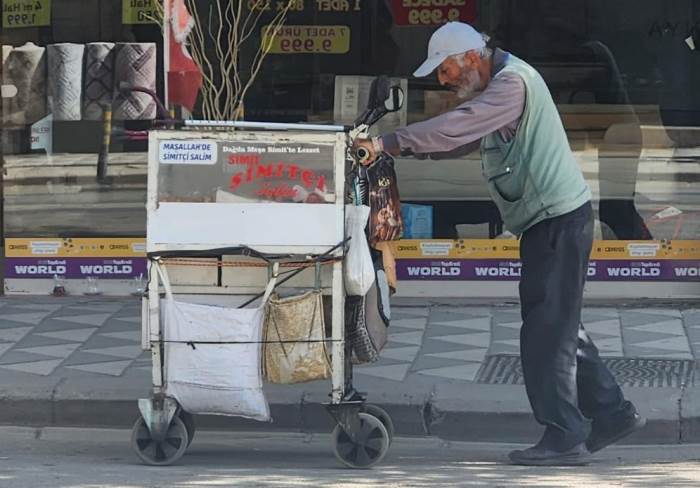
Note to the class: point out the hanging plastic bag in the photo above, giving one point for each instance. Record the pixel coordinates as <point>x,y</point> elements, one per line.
<point>212,356</point>
<point>294,340</point>
<point>385,222</point>
<point>359,270</point>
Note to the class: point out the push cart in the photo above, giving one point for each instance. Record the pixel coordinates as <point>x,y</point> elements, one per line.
<point>217,194</point>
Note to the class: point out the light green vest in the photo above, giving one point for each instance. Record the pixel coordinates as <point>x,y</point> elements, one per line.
<point>534,176</point>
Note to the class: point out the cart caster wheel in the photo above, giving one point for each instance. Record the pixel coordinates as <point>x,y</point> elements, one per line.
<point>188,419</point>
<point>383,417</point>
<point>369,447</point>
<point>159,453</point>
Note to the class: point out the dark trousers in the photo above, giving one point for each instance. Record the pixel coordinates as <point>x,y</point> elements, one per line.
<point>565,379</point>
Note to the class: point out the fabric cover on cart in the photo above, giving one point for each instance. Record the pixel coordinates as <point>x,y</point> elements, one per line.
<point>212,357</point>
<point>367,318</point>
<point>294,345</point>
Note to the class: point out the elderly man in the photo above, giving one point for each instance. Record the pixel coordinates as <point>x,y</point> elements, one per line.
<point>539,189</point>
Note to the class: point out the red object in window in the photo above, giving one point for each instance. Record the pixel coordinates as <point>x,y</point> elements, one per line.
<point>433,12</point>
<point>184,76</point>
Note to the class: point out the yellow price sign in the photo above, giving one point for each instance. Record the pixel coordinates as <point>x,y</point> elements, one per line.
<point>307,39</point>
<point>26,13</point>
<point>138,11</point>
<point>75,247</point>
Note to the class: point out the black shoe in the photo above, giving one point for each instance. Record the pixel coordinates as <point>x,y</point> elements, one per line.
<point>601,437</point>
<point>541,456</point>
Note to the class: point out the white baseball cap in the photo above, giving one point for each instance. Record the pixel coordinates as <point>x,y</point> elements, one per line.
<point>452,38</point>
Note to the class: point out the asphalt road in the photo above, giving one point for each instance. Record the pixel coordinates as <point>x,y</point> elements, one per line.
<point>86,458</point>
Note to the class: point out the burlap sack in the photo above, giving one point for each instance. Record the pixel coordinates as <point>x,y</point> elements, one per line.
<point>294,349</point>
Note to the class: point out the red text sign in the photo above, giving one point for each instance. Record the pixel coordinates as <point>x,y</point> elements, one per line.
<point>433,12</point>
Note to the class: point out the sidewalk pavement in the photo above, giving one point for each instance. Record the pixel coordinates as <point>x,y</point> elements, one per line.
<point>450,368</point>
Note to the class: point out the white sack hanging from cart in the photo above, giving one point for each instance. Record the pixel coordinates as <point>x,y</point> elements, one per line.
<point>359,270</point>
<point>219,371</point>
<point>65,78</point>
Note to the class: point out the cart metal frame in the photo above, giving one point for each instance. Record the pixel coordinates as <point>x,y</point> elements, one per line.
<point>185,227</point>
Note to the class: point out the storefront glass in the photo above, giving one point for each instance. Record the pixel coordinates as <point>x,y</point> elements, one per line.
<point>622,75</point>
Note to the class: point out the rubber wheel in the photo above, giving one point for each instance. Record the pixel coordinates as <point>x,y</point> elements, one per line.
<point>383,416</point>
<point>370,446</point>
<point>188,419</point>
<point>159,453</point>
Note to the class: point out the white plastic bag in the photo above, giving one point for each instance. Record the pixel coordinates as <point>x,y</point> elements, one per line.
<point>359,270</point>
<point>204,370</point>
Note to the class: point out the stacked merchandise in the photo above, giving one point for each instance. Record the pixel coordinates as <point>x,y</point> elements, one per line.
<point>75,81</point>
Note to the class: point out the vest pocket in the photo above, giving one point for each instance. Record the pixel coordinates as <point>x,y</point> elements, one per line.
<point>505,182</point>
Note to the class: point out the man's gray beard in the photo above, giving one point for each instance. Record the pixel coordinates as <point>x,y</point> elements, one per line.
<point>471,83</point>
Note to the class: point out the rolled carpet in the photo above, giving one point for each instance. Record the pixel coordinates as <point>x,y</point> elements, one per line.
<point>135,65</point>
<point>5,53</point>
<point>5,80</point>
<point>65,80</point>
<point>98,79</point>
<point>25,68</point>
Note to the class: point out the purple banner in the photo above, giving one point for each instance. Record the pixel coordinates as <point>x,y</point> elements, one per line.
<point>72,268</point>
<point>509,270</point>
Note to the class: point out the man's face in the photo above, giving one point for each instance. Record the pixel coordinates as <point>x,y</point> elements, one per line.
<point>461,76</point>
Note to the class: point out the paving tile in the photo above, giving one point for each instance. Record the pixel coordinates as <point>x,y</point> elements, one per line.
<point>679,344</point>
<point>467,311</point>
<point>14,356</point>
<point>480,323</point>
<point>663,312</point>
<point>433,346</point>
<point>77,335</point>
<point>465,372</point>
<point>475,354</point>
<point>609,347</point>
<point>112,368</point>
<point>629,318</point>
<point>58,350</point>
<point>435,330</point>
<point>482,339</point>
<point>504,346</point>
<point>432,362</point>
<point>126,352</point>
<point>672,327</point>
<point>413,338</point>
<point>395,372</point>
<point>409,323</point>
<point>91,319</point>
<point>445,316</point>
<point>410,312</point>
<point>509,325</point>
<point>5,346</point>
<point>502,333</point>
<point>43,368</point>
<point>134,336</point>
<point>31,318</point>
<point>35,340</point>
<point>631,336</point>
<point>407,354</point>
<point>81,357</point>
<point>609,327</point>
<point>691,317</point>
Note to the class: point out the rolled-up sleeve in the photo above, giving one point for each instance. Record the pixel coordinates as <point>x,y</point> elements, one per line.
<point>500,105</point>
